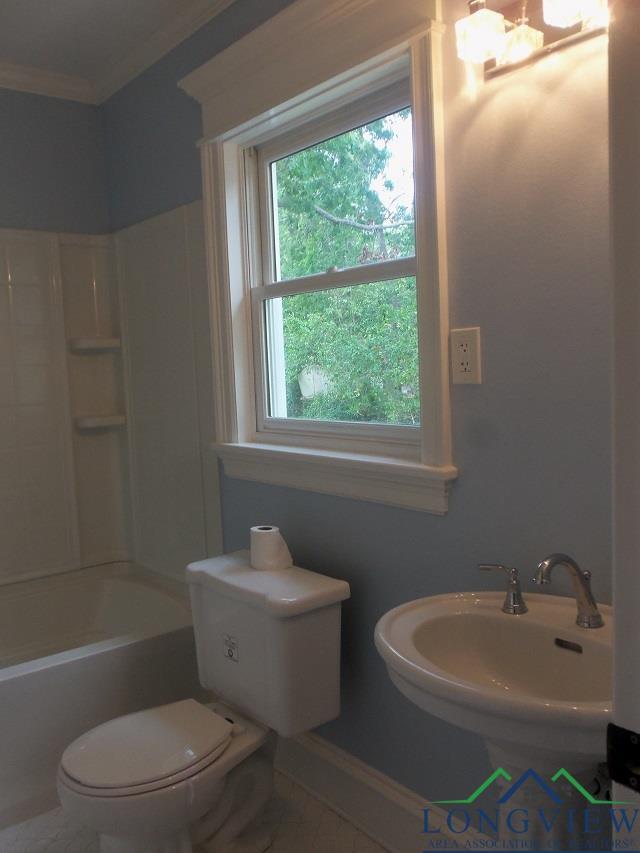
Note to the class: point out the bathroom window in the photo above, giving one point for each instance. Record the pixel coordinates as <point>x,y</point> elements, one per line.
<point>327,263</point>
<point>336,309</point>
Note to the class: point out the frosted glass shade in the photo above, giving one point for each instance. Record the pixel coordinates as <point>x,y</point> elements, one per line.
<point>480,36</point>
<point>595,13</point>
<point>562,13</point>
<point>520,43</point>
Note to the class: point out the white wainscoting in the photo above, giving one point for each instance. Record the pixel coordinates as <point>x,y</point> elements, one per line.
<point>63,490</point>
<point>164,292</point>
<point>106,420</point>
<point>38,526</point>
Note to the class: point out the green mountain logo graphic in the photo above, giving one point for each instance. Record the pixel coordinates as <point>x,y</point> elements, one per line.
<point>497,774</point>
<point>564,774</point>
<point>530,774</point>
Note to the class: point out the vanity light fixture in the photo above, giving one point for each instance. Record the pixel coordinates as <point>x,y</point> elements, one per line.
<point>521,41</point>
<point>486,36</point>
<point>481,35</point>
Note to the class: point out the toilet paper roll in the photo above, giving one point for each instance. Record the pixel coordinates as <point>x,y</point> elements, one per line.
<point>269,551</point>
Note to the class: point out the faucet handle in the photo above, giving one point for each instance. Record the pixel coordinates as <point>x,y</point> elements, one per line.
<point>514,603</point>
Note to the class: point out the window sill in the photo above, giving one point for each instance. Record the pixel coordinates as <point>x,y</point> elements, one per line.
<point>394,482</point>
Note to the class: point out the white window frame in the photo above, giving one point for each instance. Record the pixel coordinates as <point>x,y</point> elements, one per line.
<point>375,462</point>
<point>399,441</point>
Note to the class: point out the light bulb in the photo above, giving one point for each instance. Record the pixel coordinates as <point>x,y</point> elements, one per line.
<point>520,43</point>
<point>595,14</point>
<point>563,13</point>
<point>480,36</point>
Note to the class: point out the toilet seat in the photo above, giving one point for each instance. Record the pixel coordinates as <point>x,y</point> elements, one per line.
<point>156,785</point>
<point>170,804</point>
<point>146,751</point>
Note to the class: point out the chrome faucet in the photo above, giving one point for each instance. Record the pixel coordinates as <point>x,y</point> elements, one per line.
<point>514,602</point>
<point>588,613</point>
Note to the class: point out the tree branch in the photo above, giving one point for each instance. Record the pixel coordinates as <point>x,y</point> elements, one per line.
<point>351,223</point>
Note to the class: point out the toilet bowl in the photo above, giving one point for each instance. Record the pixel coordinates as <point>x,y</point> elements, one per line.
<point>190,776</point>
<point>167,779</point>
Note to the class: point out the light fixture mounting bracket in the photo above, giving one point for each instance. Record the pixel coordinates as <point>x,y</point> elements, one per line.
<point>561,44</point>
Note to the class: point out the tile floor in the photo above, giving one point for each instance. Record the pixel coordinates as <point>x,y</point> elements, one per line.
<point>304,825</point>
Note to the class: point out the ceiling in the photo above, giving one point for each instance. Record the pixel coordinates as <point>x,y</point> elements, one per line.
<point>92,46</point>
<point>88,49</point>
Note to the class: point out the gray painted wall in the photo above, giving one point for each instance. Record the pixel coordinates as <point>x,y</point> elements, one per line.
<point>528,227</point>
<point>529,264</point>
<point>52,165</point>
<point>528,219</point>
<point>66,166</point>
<point>152,127</point>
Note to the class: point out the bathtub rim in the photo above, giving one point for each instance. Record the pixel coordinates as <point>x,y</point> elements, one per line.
<point>173,588</point>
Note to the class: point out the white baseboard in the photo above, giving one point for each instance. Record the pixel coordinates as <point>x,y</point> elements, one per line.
<point>388,812</point>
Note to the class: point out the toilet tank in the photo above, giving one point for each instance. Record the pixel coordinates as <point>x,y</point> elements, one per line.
<point>268,642</point>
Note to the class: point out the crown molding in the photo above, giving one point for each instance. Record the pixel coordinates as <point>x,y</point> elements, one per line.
<point>254,75</point>
<point>185,24</point>
<point>24,78</point>
<point>190,18</point>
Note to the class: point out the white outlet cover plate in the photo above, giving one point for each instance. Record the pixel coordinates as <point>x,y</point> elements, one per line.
<point>466,356</point>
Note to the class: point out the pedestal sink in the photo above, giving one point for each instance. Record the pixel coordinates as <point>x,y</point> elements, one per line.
<point>536,687</point>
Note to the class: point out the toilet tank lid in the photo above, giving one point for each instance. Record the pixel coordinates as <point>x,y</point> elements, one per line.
<point>283,593</point>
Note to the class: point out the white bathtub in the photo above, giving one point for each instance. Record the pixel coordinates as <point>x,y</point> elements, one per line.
<point>76,650</point>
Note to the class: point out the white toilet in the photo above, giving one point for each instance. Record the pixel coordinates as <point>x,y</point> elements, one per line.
<point>192,776</point>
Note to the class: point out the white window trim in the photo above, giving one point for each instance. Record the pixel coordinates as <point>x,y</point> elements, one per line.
<point>390,470</point>
<point>402,441</point>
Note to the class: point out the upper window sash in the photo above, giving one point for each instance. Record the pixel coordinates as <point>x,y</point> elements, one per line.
<point>364,111</point>
<point>368,107</point>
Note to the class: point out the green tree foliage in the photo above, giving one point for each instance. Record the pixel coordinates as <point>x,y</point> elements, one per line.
<point>362,339</point>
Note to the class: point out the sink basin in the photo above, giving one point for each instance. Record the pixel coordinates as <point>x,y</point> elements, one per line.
<point>531,681</point>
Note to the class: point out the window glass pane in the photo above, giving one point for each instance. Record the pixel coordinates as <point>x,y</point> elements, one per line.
<point>346,201</point>
<point>346,354</point>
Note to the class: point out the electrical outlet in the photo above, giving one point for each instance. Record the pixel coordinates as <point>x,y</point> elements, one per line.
<point>466,366</point>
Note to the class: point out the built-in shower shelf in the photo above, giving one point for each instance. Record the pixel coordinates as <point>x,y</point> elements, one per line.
<point>99,422</point>
<point>94,345</point>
